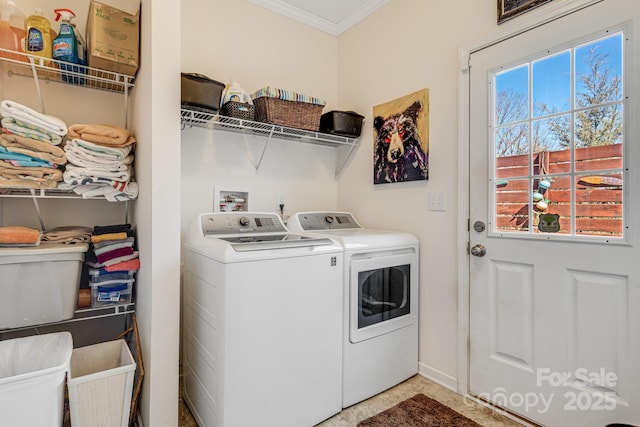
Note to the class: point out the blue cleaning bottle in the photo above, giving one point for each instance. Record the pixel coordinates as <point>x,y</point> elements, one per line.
<point>65,48</point>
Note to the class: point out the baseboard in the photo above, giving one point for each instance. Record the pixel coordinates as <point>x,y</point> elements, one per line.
<point>438,377</point>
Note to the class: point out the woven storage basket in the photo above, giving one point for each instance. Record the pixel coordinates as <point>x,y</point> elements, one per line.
<point>296,111</point>
<point>238,110</point>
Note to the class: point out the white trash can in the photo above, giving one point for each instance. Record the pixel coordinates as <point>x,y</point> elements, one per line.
<point>32,377</point>
<point>100,385</point>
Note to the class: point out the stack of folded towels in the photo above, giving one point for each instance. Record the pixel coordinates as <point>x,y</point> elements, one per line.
<point>113,248</point>
<point>112,262</point>
<point>69,234</point>
<point>100,162</point>
<point>30,152</point>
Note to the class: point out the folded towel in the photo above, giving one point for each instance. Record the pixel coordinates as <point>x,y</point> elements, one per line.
<point>33,148</point>
<point>31,173</point>
<point>104,243</point>
<point>28,130</point>
<point>15,235</point>
<point>105,134</point>
<point>68,234</point>
<point>75,175</point>
<point>19,182</point>
<point>101,151</point>
<point>113,191</point>
<point>82,158</point>
<point>23,113</point>
<point>112,228</point>
<point>129,265</point>
<point>115,253</point>
<point>120,259</point>
<point>109,236</point>
<point>118,244</point>
<point>17,159</point>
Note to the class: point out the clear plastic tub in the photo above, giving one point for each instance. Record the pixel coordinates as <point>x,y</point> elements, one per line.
<point>111,293</point>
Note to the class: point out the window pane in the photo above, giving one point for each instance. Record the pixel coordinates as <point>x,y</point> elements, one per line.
<point>512,100</point>
<point>599,205</point>
<point>599,72</point>
<point>598,158</point>
<point>552,134</point>
<point>551,198</point>
<point>512,205</point>
<point>512,140</point>
<point>552,84</point>
<point>599,126</point>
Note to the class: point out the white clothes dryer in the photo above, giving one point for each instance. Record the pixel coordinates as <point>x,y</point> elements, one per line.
<point>380,331</point>
<point>262,322</point>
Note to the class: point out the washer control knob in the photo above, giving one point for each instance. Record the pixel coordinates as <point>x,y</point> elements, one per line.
<point>244,221</point>
<point>329,219</point>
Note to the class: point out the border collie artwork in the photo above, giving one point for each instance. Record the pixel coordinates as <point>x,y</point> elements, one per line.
<point>400,154</point>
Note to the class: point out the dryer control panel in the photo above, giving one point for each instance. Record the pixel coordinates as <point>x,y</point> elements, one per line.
<point>312,221</point>
<point>223,223</point>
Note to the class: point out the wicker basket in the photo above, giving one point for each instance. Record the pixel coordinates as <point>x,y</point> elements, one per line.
<point>238,110</point>
<point>294,114</point>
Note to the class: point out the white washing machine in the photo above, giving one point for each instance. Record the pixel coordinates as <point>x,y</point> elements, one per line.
<point>380,331</point>
<point>262,323</point>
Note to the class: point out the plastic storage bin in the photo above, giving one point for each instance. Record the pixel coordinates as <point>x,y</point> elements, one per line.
<point>32,377</point>
<point>111,292</point>
<point>39,284</point>
<point>100,384</point>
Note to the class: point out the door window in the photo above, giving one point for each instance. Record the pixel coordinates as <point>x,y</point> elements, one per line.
<point>558,142</point>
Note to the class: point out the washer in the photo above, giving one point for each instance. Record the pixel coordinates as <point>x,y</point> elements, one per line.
<point>380,331</point>
<point>262,322</point>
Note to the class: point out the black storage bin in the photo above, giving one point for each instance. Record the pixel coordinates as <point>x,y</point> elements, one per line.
<point>344,123</point>
<point>199,92</point>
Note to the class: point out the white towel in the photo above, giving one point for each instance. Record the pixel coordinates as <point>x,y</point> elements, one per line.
<point>22,112</point>
<point>109,153</point>
<point>75,174</point>
<point>81,158</point>
<point>114,192</point>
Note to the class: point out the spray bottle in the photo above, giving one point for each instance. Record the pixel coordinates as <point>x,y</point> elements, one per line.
<point>65,46</point>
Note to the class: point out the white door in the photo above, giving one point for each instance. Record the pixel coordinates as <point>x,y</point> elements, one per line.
<point>555,301</point>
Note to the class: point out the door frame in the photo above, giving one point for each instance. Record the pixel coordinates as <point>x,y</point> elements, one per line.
<point>517,26</point>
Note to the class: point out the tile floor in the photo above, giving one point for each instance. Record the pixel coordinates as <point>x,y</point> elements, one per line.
<point>350,417</point>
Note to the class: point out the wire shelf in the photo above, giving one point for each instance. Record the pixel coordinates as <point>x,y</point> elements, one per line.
<point>215,121</point>
<point>51,70</point>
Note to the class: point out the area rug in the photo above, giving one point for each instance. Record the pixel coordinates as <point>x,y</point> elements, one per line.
<point>418,411</point>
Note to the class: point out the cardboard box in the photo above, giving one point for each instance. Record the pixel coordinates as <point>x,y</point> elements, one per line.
<point>113,38</point>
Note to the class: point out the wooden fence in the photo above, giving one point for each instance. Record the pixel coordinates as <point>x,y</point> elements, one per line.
<point>598,205</point>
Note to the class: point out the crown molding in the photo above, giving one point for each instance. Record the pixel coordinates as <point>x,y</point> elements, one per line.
<point>312,20</point>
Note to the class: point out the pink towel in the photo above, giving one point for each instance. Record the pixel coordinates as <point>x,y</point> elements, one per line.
<point>130,265</point>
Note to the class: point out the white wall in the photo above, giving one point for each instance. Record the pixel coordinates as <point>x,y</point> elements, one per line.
<point>259,48</point>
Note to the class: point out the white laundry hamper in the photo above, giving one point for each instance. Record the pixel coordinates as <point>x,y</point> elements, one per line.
<point>100,385</point>
<point>32,378</point>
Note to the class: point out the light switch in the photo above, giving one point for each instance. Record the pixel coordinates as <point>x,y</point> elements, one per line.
<point>437,202</point>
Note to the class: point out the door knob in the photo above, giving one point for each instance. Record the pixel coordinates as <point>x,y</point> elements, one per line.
<point>478,250</point>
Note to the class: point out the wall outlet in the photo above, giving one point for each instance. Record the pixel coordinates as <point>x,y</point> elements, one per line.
<point>437,201</point>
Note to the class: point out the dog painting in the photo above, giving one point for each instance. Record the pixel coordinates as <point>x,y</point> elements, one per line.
<point>401,147</point>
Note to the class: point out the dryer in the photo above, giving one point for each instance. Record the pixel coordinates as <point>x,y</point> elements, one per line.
<point>380,302</point>
<point>262,322</point>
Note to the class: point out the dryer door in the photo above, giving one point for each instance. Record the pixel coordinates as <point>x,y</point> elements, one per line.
<point>382,295</point>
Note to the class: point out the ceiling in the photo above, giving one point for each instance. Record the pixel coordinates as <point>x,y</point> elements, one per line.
<point>332,16</point>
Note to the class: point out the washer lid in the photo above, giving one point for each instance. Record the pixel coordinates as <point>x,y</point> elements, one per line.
<point>278,241</point>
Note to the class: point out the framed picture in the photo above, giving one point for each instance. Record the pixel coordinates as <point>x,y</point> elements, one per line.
<point>401,139</point>
<point>508,9</point>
